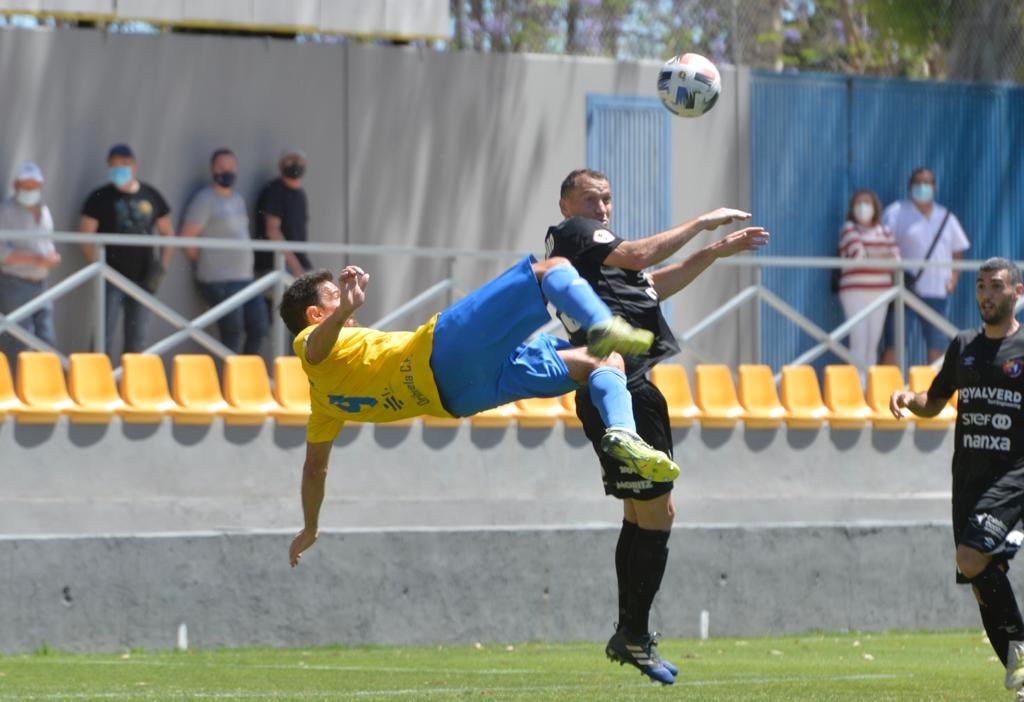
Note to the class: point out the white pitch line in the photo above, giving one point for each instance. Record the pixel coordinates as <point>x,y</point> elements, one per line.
<point>406,692</point>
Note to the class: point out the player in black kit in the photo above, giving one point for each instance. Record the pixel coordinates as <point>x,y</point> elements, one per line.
<point>986,366</point>
<point>615,269</point>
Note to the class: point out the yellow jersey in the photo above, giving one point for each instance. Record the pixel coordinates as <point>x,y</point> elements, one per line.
<point>370,376</point>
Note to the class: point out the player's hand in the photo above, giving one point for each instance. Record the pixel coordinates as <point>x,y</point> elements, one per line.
<point>352,282</point>
<point>900,399</point>
<point>303,541</point>
<point>723,215</point>
<point>747,239</point>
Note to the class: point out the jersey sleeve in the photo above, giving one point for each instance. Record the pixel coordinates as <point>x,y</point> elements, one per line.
<point>960,240</point>
<point>944,383</point>
<point>272,202</point>
<point>199,209</point>
<point>93,205</point>
<point>160,206</point>
<point>585,241</point>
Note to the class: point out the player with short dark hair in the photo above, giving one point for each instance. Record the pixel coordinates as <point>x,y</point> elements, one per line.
<point>469,358</point>
<point>615,269</point>
<point>986,366</point>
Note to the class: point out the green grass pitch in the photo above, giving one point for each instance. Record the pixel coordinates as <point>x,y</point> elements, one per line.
<point>816,668</point>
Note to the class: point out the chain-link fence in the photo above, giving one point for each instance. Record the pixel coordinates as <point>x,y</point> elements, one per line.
<point>977,40</point>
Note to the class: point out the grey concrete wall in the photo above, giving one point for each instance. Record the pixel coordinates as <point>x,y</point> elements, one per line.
<point>75,479</point>
<point>461,586</point>
<point>406,147</point>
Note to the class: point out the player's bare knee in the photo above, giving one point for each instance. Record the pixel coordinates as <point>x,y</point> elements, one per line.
<point>971,562</point>
<point>542,267</point>
<point>613,360</point>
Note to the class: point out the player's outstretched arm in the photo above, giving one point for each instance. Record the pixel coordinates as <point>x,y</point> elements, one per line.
<point>674,277</point>
<point>918,403</point>
<point>652,250</point>
<point>352,284</point>
<point>314,478</point>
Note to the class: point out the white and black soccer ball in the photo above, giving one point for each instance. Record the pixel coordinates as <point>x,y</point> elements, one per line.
<point>688,85</point>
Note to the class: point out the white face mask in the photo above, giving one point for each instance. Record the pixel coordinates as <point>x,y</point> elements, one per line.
<point>29,198</point>
<point>863,212</point>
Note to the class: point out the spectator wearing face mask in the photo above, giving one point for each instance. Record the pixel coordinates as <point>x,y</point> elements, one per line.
<point>864,238</point>
<point>25,263</point>
<point>127,206</point>
<point>282,214</point>
<point>219,212</point>
<point>925,230</point>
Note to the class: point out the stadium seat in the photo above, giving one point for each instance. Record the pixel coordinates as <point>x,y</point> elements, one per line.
<point>569,417</point>
<point>495,418</point>
<point>759,397</point>
<point>882,382</point>
<point>801,398</point>
<point>671,380</point>
<point>291,388</point>
<point>8,398</point>
<point>196,389</point>
<point>144,389</point>
<point>540,412</point>
<point>920,378</point>
<point>845,397</point>
<point>441,422</point>
<point>247,389</point>
<point>41,388</point>
<point>716,396</point>
<point>92,387</point>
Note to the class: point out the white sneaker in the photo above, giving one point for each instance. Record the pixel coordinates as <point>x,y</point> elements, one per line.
<point>1015,667</point>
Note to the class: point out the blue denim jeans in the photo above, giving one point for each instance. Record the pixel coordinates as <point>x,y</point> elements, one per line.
<point>15,292</point>
<point>135,319</point>
<point>249,319</point>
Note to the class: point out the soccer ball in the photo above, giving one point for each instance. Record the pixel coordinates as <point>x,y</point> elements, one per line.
<point>689,85</point>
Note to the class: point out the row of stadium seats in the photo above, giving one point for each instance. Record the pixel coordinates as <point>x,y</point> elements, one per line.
<point>40,394</point>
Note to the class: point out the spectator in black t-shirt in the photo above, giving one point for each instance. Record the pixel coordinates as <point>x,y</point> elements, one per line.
<point>616,270</point>
<point>127,206</point>
<point>282,213</point>
<point>985,365</point>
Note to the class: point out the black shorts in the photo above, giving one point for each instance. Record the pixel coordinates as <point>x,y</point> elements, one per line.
<point>986,509</point>
<point>651,414</point>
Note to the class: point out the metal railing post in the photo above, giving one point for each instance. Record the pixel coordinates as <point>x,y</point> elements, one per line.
<point>277,337</point>
<point>100,321</point>
<point>449,297</point>
<point>758,279</point>
<point>899,319</point>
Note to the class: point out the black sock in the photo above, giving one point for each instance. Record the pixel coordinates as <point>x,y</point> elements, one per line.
<point>999,612</point>
<point>623,549</point>
<point>646,568</point>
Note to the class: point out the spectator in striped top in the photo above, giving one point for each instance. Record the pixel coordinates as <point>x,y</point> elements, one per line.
<point>864,237</point>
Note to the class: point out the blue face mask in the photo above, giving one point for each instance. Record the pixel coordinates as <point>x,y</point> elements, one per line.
<point>922,193</point>
<point>29,198</point>
<point>120,176</point>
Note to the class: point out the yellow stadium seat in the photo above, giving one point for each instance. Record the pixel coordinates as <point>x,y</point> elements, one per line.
<point>920,378</point>
<point>495,418</point>
<point>41,388</point>
<point>540,412</point>
<point>716,396</point>
<point>882,382</point>
<point>441,422</point>
<point>671,380</point>
<point>569,417</point>
<point>759,397</point>
<point>291,390</point>
<point>247,390</point>
<point>196,389</point>
<point>801,398</point>
<point>92,387</point>
<point>144,389</point>
<point>845,397</point>
<point>8,398</point>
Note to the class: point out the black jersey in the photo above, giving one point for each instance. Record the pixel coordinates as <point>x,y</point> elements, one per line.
<point>989,375</point>
<point>587,243</point>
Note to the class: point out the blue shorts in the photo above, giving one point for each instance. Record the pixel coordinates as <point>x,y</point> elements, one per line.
<point>479,358</point>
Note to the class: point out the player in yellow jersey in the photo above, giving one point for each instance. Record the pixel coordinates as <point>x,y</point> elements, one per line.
<point>469,358</point>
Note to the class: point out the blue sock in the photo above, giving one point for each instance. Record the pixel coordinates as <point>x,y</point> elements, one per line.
<point>611,398</point>
<point>572,295</point>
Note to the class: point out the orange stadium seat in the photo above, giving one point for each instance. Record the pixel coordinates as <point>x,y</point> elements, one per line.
<point>569,417</point>
<point>920,378</point>
<point>8,398</point>
<point>41,388</point>
<point>144,389</point>
<point>716,396</point>
<point>441,422</point>
<point>196,389</point>
<point>801,397</point>
<point>540,412</point>
<point>671,380</point>
<point>247,389</point>
<point>759,397</point>
<point>92,387</point>
<point>882,382</point>
<point>291,386</point>
<point>496,418</point>
<point>845,397</point>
